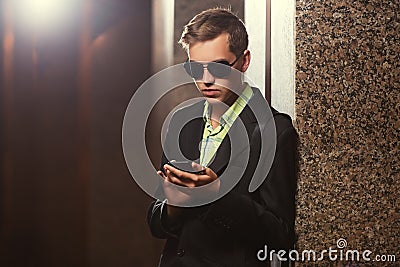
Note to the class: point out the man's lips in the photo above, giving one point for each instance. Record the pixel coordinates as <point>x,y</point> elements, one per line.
<point>210,92</point>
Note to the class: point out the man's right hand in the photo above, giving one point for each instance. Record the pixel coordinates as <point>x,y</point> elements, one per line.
<point>172,192</point>
<point>176,183</point>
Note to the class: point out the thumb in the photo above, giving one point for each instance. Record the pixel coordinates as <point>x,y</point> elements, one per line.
<point>211,173</point>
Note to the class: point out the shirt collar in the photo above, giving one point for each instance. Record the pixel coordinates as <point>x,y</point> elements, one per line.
<point>233,111</point>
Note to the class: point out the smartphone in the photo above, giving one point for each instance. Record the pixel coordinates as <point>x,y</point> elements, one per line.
<point>185,166</point>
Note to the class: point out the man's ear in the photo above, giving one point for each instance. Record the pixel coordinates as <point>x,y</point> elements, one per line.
<point>246,60</point>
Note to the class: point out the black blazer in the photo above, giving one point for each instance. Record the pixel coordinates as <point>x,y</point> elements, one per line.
<point>231,230</point>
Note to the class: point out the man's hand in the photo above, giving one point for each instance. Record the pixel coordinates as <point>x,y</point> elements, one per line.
<point>174,177</point>
<point>191,180</point>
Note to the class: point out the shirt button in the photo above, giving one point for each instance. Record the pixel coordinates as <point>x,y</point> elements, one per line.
<point>180,252</point>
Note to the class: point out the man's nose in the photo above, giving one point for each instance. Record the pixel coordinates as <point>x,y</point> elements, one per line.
<point>208,77</point>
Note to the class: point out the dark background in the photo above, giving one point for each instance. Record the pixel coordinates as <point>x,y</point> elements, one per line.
<point>67,198</point>
<point>66,195</point>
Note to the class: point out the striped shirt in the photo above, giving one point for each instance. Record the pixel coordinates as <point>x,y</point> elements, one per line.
<point>212,138</point>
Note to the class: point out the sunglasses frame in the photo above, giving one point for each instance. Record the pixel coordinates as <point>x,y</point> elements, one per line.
<point>188,67</point>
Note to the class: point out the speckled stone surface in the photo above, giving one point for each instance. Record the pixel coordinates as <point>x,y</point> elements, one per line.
<point>347,105</point>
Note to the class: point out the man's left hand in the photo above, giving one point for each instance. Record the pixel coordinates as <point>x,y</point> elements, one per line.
<point>187,179</point>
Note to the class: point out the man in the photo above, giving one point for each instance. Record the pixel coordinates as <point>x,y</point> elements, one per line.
<point>232,230</point>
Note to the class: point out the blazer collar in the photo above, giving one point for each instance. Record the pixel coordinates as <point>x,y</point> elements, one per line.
<point>258,105</point>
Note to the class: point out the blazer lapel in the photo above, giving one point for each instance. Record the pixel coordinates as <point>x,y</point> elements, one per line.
<point>222,156</point>
<point>190,139</point>
<point>242,138</point>
<point>192,133</point>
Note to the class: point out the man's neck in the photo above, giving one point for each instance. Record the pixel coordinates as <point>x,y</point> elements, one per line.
<point>218,109</point>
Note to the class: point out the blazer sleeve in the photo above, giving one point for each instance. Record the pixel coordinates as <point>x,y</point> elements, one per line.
<point>157,217</point>
<point>266,216</point>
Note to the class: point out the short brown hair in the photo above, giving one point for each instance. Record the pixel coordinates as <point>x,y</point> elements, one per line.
<point>210,23</point>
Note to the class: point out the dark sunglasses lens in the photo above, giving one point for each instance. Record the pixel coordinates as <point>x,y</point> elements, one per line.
<point>194,69</point>
<point>219,69</point>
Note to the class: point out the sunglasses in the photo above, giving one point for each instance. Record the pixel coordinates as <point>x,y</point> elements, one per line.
<point>218,69</point>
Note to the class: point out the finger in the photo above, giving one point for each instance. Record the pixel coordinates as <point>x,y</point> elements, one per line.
<point>197,167</point>
<point>180,174</point>
<point>210,173</point>
<point>161,174</point>
<point>180,182</point>
<point>208,176</point>
<point>165,176</point>
<point>186,179</point>
<point>168,167</point>
<point>189,179</point>
<point>171,178</point>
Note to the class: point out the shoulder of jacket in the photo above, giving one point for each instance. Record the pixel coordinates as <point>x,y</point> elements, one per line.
<point>192,108</point>
<point>283,121</point>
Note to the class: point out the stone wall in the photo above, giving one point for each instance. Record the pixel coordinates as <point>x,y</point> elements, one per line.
<point>347,106</point>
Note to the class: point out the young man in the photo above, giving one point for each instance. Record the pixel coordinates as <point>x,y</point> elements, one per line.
<point>231,230</point>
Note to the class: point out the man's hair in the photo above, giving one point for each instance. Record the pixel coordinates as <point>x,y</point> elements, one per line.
<point>210,23</point>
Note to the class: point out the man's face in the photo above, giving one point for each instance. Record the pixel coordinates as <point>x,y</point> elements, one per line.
<point>213,88</point>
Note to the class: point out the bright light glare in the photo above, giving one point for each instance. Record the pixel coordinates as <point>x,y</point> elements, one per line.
<point>43,13</point>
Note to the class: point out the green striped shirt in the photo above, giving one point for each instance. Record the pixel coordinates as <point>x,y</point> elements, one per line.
<point>212,138</point>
